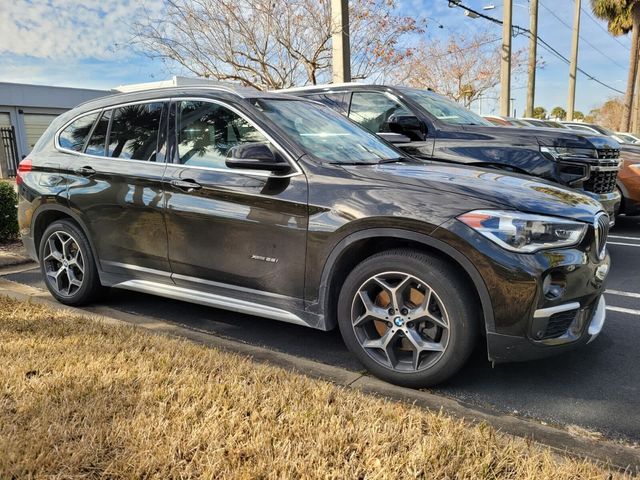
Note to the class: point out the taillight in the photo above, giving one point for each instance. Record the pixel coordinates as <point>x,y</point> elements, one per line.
<point>25,166</point>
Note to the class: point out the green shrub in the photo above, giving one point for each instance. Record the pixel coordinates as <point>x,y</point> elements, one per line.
<point>8,213</point>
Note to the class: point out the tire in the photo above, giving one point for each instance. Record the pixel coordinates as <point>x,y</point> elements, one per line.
<point>386,341</point>
<point>67,264</point>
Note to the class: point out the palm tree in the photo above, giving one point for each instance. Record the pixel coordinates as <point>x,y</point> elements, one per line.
<point>623,16</point>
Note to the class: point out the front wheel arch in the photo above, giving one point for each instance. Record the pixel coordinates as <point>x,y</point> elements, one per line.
<point>333,275</point>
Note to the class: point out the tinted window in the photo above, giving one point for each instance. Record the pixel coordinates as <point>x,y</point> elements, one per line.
<point>98,139</point>
<point>372,110</point>
<point>337,101</point>
<point>444,109</point>
<point>324,133</point>
<point>134,131</point>
<point>206,132</point>
<point>76,133</point>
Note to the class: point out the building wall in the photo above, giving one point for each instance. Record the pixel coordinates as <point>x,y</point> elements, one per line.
<point>31,108</point>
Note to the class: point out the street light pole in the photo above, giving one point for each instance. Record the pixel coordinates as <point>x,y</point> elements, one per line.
<point>505,64</point>
<point>533,45</point>
<point>573,67</point>
<point>340,41</point>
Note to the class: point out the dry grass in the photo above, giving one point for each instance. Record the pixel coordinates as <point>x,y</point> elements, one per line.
<point>82,399</point>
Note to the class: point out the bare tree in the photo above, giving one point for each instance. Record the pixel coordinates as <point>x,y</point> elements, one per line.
<point>609,114</point>
<point>270,44</point>
<point>463,67</point>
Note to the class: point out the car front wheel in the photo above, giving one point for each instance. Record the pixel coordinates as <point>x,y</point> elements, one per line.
<point>409,317</point>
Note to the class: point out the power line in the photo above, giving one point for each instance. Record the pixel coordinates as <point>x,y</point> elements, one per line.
<point>582,38</point>
<point>609,34</point>
<point>526,31</point>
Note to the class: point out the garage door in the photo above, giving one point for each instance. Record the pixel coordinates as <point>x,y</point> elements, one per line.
<point>5,120</point>
<point>35,124</point>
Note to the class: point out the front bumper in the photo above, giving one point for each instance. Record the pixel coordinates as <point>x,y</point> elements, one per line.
<point>509,348</point>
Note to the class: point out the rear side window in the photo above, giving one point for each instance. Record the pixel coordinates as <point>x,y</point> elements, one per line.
<point>372,110</point>
<point>134,131</point>
<point>98,140</point>
<point>75,134</point>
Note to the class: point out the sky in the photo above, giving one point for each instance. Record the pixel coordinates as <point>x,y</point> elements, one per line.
<point>87,43</point>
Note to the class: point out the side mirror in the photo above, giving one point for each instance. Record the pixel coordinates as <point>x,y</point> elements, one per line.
<point>408,125</point>
<point>394,137</point>
<point>255,156</point>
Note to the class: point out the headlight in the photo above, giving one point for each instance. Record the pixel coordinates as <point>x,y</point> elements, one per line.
<point>568,152</point>
<point>522,232</point>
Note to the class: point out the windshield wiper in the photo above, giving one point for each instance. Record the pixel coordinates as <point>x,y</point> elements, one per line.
<point>393,160</point>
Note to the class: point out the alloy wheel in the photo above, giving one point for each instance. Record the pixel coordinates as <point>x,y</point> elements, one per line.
<point>63,263</point>
<point>400,322</point>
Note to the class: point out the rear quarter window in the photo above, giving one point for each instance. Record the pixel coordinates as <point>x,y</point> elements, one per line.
<point>74,135</point>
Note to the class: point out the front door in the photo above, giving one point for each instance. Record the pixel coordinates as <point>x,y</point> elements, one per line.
<point>235,232</point>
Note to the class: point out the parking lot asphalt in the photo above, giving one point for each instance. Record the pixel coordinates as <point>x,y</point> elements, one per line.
<point>596,387</point>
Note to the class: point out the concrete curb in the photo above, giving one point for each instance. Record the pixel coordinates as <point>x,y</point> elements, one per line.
<point>617,455</point>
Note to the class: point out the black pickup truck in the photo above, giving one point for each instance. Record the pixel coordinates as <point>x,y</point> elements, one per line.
<point>428,125</point>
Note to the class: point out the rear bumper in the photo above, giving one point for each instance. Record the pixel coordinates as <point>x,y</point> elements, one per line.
<point>507,348</point>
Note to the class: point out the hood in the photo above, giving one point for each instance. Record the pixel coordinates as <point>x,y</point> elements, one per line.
<point>502,190</point>
<point>548,137</point>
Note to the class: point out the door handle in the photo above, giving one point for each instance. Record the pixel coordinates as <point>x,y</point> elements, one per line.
<point>85,171</point>
<point>186,185</point>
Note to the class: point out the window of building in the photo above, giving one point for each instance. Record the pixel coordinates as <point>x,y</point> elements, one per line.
<point>372,110</point>
<point>76,133</point>
<point>134,131</point>
<point>206,132</point>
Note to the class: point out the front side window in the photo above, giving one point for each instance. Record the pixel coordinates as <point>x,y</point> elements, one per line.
<point>372,110</point>
<point>336,100</point>
<point>324,133</point>
<point>75,134</point>
<point>444,109</point>
<point>206,132</point>
<point>134,131</point>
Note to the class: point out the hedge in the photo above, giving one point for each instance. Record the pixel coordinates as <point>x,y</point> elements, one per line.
<point>8,213</point>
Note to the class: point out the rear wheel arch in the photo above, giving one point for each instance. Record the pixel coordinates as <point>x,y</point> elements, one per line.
<point>47,214</point>
<point>358,246</point>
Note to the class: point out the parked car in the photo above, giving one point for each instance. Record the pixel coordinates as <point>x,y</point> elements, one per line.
<point>281,208</point>
<point>506,121</point>
<point>628,181</point>
<point>433,127</point>
<point>536,122</point>
<point>626,138</point>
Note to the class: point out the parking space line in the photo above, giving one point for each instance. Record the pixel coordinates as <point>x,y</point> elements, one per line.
<point>624,238</point>
<point>623,294</point>
<point>624,244</point>
<point>623,310</point>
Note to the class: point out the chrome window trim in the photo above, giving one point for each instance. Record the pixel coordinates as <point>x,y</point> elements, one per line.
<point>78,117</point>
<point>254,173</point>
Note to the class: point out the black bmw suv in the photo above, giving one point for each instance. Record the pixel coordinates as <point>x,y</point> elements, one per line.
<point>279,207</point>
<point>428,125</point>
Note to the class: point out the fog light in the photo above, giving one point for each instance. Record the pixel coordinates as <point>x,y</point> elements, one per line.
<point>550,289</point>
<point>601,272</point>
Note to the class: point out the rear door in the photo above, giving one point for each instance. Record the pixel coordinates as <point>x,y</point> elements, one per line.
<point>239,233</point>
<point>116,188</point>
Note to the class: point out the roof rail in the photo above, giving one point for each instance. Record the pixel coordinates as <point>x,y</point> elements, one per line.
<point>322,86</point>
<point>181,82</point>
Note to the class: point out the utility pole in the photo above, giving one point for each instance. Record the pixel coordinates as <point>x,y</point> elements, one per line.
<point>573,67</point>
<point>340,41</point>
<point>505,64</point>
<point>533,46</point>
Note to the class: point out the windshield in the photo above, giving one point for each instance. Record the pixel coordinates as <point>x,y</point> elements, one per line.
<point>324,133</point>
<point>444,109</point>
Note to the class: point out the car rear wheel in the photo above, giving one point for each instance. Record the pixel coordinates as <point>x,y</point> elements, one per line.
<point>409,317</point>
<point>67,264</point>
